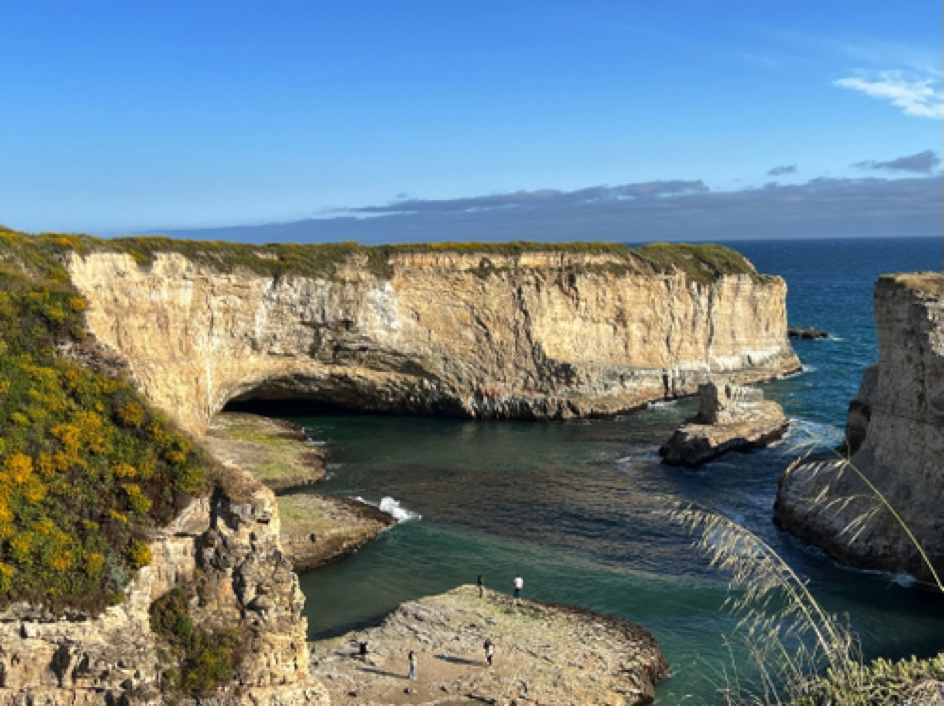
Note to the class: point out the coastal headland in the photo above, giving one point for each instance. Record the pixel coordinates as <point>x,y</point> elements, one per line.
<point>513,331</point>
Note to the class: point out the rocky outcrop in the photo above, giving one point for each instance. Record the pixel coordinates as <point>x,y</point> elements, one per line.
<point>806,332</point>
<point>544,654</point>
<point>538,335</point>
<point>895,433</point>
<point>730,418</point>
<point>317,530</point>
<point>227,545</point>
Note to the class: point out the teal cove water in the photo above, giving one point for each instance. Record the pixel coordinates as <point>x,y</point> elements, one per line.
<point>577,507</point>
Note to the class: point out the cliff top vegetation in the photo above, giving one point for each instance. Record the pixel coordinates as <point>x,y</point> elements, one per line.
<point>44,252</point>
<point>87,467</point>
<point>928,282</point>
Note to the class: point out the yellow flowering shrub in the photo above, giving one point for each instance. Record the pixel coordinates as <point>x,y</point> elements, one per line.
<point>87,469</point>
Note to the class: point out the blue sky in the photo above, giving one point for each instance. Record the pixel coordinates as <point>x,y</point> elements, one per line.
<point>144,116</point>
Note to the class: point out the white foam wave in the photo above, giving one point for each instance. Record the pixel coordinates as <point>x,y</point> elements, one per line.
<point>316,442</point>
<point>392,507</point>
<point>809,368</point>
<point>835,338</point>
<point>805,434</point>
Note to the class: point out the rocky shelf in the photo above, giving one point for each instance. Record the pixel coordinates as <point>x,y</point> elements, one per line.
<point>544,653</point>
<point>730,418</point>
<point>315,529</point>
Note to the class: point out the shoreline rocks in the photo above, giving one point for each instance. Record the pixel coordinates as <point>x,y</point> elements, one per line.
<point>277,452</point>
<point>544,653</point>
<point>730,418</point>
<point>895,435</point>
<point>315,529</point>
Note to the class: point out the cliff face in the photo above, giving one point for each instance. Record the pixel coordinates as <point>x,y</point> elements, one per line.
<point>895,432</point>
<point>228,544</point>
<point>541,335</point>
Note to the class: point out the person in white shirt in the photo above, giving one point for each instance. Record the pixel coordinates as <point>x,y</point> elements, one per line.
<point>519,584</point>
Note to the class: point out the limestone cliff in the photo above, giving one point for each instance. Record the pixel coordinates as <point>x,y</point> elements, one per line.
<point>538,335</point>
<point>895,431</point>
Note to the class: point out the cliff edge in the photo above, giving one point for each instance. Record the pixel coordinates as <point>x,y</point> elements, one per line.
<point>895,435</point>
<point>537,334</point>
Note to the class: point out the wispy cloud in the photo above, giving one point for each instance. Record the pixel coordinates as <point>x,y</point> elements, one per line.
<point>783,170</point>
<point>542,198</point>
<point>922,162</point>
<point>920,97</point>
<point>635,213</point>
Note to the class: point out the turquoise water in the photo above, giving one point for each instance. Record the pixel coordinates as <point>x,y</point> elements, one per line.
<point>576,507</point>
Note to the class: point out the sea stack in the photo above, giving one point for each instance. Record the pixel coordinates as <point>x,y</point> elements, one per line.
<point>895,436</point>
<point>730,418</point>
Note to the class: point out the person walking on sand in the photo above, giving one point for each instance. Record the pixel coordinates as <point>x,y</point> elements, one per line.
<point>489,651</point>
<point>412,658</point>
<point>519,585</point>
<point>481,587</point>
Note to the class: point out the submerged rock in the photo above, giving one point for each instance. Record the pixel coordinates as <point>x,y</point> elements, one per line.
<point>543,653</point>
<point>895,435</point>
<point>730,418</point>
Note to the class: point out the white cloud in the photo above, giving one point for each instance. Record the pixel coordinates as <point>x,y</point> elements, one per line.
<point>919,97</point>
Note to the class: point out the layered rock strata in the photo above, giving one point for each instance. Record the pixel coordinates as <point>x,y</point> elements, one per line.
<point>730,418</point>
<point>540,335</point>
<point>227,544</point>
<point>895,434</point>
<point>544,654</point>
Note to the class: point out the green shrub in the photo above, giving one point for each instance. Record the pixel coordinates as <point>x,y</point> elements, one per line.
<point>207,658</point>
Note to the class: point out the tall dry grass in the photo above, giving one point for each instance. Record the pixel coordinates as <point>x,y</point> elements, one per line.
<point>802,654</point>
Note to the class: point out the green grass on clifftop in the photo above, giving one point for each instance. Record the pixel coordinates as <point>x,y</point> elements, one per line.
<point>87,468</point>
<point>43,254</point>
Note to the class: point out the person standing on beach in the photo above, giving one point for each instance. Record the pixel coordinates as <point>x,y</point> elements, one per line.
<point>412,658</point>
<point>519,585</point>
<point>481,587</point>
<point>489,651</point>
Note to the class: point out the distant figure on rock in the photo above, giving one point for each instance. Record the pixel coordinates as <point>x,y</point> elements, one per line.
<point>489,647</point>
<point>481,587</point>
<point>362,651</point>
<point>519,585</point>
<point>412,659</point>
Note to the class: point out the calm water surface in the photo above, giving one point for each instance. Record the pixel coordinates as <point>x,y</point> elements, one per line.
<point>578,507</point>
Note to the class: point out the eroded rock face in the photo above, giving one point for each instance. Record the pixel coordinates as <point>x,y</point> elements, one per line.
<point>895,431</point>
<point>542,336</point>
<point>231,540</point>
<point>730,418</point>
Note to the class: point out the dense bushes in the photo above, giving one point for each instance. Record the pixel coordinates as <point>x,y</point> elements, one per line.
<point>86,467</point>
<point>206,659</point>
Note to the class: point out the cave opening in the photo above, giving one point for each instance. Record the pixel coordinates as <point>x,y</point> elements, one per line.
<point>289,406</point>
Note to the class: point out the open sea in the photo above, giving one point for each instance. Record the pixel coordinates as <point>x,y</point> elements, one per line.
<point>576,507</point>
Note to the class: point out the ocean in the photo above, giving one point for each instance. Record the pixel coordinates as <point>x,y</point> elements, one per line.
<point>577,507</point>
